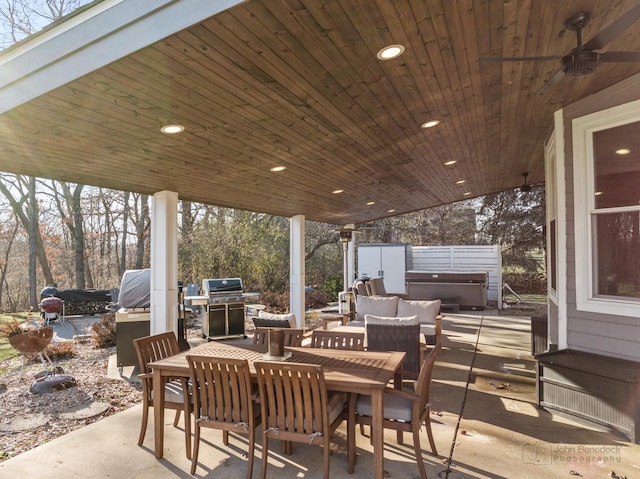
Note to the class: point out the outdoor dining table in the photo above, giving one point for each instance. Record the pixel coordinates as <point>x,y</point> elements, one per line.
<point>361,372</point>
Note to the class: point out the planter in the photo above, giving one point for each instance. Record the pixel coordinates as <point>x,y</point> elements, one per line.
<point>31,341</point>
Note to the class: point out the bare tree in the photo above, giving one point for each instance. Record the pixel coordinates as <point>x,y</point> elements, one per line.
<point>21,18</point>
<point>67,198</point>
<point>15,189</point>
<point>142,222</point>
<point>9,238</point>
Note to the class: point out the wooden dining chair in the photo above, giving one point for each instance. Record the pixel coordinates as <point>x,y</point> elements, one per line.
<point>176,392</point>
<point>337,340</point>
<point>223,399</point>
<point>403,411</point>
<point>397,336</point>
<point>292,337</point>
<point>297,407</point>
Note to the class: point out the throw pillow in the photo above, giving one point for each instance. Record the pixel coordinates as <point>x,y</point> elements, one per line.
<point>376,305</point>
<point>271,323</point>
<point>425,310</point>
<point>280,318</point>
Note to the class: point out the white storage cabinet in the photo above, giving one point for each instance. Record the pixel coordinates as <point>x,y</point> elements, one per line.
<point>389,261</point>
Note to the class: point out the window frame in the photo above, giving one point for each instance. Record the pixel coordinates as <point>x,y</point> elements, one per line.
<point>551,206</point>
<point>583,129</point>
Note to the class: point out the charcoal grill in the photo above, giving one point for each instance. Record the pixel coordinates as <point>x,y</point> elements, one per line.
<point>50,309</point>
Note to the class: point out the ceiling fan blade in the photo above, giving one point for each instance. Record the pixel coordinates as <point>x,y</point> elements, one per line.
<point>611,32</point>
<point>559,75</point>
<point>610,57</point>
<point>518,59</point>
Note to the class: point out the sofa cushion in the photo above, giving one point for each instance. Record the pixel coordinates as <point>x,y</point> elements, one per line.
<point>273,320</point>
<point>393,320</point>
<point>376,305</point>
<point>428,330</point>
<point>376,287</point>
<point>425,310</point>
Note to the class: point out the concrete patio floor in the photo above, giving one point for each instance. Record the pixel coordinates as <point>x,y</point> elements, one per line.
<point>484,418</point>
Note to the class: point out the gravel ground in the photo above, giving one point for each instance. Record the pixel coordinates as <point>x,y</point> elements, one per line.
<point>29,420</point>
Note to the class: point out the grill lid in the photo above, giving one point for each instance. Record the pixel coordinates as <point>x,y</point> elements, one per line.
<point>222,285</point>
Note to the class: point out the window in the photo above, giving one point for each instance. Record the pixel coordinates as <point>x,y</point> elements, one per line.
<point>607,206</point>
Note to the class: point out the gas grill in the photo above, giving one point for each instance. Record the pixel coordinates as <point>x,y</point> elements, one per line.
<point>225,301</point>
<point>226,290</point>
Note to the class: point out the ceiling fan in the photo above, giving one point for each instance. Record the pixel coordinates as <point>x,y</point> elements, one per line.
<point>584,59</point>
<point>525,187</point>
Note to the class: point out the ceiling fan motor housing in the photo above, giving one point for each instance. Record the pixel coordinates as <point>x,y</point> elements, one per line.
<point>580,63</point>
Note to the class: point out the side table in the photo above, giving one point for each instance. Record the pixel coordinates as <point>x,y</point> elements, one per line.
<point>330,317</point>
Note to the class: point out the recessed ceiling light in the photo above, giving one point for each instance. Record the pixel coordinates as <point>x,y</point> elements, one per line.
<point>337,192</point>
<point>391,211</point>
<point>369,203</point>
<point>466,193</point>
<point>450,162</point>
<point>623,151</point>
<point>390,52</point>
<point>459,182</point>
<point>598,193</point>
<point>172,129</point>
<point>430,124</point>
<point>278,168</point>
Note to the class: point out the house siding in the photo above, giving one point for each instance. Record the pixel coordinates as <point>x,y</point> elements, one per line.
<point>605,334</point>
<point>552,311</point>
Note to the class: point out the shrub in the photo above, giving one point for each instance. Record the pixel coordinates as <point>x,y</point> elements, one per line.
<point>276,302</point>
<point>104,331</point>
<point>315,299</point>
<point>62,350</point>
<point>332,286</point>
<point>526,283</point>
<point>279,302</point>
<point>13,328</point>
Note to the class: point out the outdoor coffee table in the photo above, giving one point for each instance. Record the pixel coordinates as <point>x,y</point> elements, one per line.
<point>360,372</point>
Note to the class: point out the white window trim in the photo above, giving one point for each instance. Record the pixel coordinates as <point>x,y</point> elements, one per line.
<point>583,129</point>
<point>551,212</point>
<point>559,296</point>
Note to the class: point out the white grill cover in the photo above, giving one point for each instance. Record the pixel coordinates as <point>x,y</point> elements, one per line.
<point>135,289</point>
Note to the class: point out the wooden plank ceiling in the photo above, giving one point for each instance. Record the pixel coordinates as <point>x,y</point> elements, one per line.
<point>297,83</point>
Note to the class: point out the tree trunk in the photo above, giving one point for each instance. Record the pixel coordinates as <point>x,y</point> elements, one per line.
<point>125,226</point>
<point>78,240</point>
<point>33,229</point>
<point>142,230</point>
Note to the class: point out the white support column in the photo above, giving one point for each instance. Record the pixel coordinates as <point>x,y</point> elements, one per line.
<point>351,258</point>
<point>297,268</point>
<point>164,262</point>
